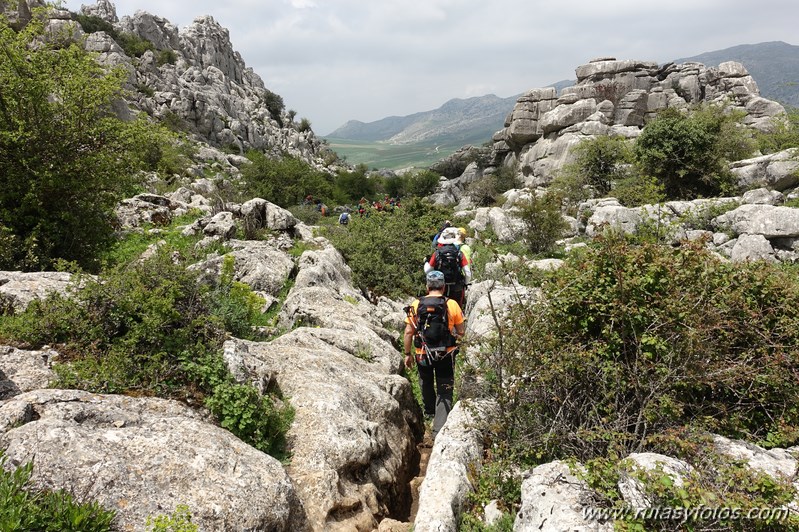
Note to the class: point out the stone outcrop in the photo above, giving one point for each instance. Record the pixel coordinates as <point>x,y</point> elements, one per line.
<point>143,457</point>
<point>457,456</point>
<point>618,97</point>
<point>22,370</point>
<point>356,421</point>
<point>553,499</point>
<point>195,80</point>
<point>18,289</point>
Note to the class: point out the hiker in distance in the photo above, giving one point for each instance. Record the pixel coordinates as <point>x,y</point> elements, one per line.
<point>448,259</point>
<point>433,325</point>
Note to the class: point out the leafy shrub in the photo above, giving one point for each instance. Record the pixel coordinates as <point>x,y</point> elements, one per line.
<point>386,251</point>
<point>636,190</point>
<point>422,183</point>
<point>352,186</point>
<point>285,181</point>
<point>65,158</point>
<point>133,45</point>
<point>633,341</point>
<point>304,125</point>
<point>22,508</point>
<point>689,153</point>
<point>601,161</point>
<point>93,24</point>
<point>784,133</point>
<point>149,328</point>
<point>166,57</point>
<point>543,222</point>
<point>178,521</point>
<point>486,190</point>
<point>275,106</point>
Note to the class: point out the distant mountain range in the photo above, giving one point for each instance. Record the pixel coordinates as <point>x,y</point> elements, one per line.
<point>773,65</point>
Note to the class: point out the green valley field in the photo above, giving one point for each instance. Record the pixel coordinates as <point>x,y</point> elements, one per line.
<point>391,156</point>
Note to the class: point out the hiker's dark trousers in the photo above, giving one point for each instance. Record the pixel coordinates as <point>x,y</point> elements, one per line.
<point>437,383</point>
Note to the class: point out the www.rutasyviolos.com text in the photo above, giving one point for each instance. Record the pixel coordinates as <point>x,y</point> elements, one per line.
<point>696,513</point>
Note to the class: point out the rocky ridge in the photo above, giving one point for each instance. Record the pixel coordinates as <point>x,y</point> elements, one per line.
<point>193,79</point>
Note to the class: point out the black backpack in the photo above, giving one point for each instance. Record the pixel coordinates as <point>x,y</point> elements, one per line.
<point>448,262</point>
<point>433,325</point>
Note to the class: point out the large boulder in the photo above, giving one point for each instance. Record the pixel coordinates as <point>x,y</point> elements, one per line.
<point>144,456</point>
<point>766,220</point>
<point>778,171</point>
<point>554,499</point>
<point>356,421</point>
<point>22,371</point>
<point>18,289</point>
<point>456,457</point>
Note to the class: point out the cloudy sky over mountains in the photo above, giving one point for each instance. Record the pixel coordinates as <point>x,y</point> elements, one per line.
<point>336,60</point>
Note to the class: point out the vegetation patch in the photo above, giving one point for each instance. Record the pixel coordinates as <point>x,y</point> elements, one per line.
<point>25,508</point>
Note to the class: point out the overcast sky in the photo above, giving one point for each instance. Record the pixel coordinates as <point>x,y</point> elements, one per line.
<point>339,60</point>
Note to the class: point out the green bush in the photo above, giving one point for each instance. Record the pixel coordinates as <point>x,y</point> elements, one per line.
<point>166,57</point>
<point>633,341</point>
<point>601,161</point>
<point>636,190</point>
<point>387,251</point>
<point>65,159</point>
<point>543,222</point>
<point>689,153</point>
<point>275,106</point>
<point>22,508</point>
<point>352,186</point>
<point>133,45</point>
<point>149,328</point>
<point>422,183</point>
<point>285,181</point>
<point>93,24</point>
<point>783,135</point>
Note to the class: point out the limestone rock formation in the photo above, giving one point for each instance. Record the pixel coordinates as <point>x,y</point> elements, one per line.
<point>197,81</point>
<point>22,370</point>
<point>356,421</point>
<point>18,289</point>
<point>617,97</point>
<point>143,457</point>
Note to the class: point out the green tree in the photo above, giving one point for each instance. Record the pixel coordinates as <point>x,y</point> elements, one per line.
<point>689,152</point>
<point>386,251</point>
<point>601,161</point>
<point>65,159</point>
<point>352,186</point>
<point>421,183</point>
<point>543,222</point>
<point>284,181</point>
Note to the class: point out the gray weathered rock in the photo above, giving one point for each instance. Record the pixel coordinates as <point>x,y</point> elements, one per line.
<point>553,500</point>
<point>143,457</point>
<point>457,455</point>
<point>613,217</point>
<point>776,171</point>
<point>18,289</point>
<point>356,420</point>
<point>259,264</point>
<point>766,220</point>
<point>22,371</point>
<point>144,209</point>
<point>752,248</point>
<point>259,213</point>
<point>221,225</point>
<point>774,462</point>
<point>763,196</point>
<point>633,491</point>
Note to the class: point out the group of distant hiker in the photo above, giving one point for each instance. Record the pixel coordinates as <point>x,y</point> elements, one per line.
<point>435,322</point>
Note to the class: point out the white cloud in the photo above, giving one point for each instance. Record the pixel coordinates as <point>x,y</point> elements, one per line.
<point>335,60</point>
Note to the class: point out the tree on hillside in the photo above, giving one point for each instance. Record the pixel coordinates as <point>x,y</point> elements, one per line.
<point>65,159</point>
<point>689,153</point>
